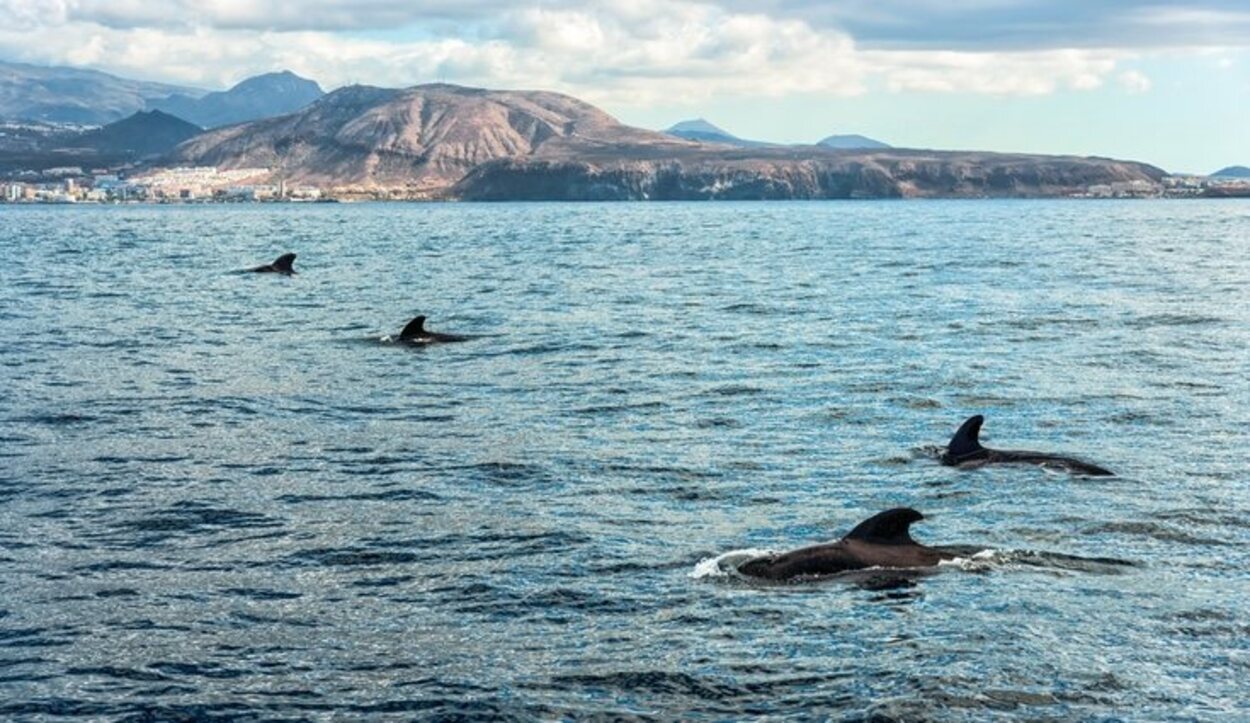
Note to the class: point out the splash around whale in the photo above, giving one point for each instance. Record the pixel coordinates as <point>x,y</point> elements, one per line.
<point>881,541</point>
<point>965,450</point>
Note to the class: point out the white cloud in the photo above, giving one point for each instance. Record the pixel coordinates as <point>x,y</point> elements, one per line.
<point>1018,73</point>
<point>636,53</point>
<point>1134,81</point>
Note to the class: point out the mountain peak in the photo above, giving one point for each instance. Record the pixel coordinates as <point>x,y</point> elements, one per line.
<point>851,141</point>
<point>698,125</point>
<point>279,81</point>
<point>1232,172</point>
<point>261,96</point>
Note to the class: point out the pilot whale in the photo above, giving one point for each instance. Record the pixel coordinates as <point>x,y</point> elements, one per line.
<point>416,333</point>
<point>280,265</point>
<point>965,450</point>
<point>882,540</point>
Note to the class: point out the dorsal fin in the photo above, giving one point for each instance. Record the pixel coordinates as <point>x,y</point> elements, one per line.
<point>966,442</point>
<point>887,528</point>
<point>283,263</point>
<point>415,328</point>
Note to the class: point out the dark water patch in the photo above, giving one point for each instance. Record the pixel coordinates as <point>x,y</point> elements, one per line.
<point>120,592</point>
<point>718,423</point>
<point>355,557</point>
<point>194,518</point>
<point>507,474</point>
<point>401,495</point>
<point>1156,320</point>
<point>52,419</point>
<point>1060,561</point>
<point>683,493</point>
<point>118,673</point>
<point>391,581</point>
<point>1163,533</point>
<point>732,390</point>
<point>261,594</point>
<point>138,459</point>
<point>556,605</point>
<point>602,409</point>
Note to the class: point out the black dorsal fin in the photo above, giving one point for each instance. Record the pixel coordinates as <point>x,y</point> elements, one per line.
<point>283,264</point>
<point>966,442</point>
<point>415,328</point>
<point>887,528</point>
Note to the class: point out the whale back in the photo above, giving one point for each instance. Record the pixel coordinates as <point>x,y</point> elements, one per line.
<point>966,442</point>
<point>887,528</point>
<point>415,328</point>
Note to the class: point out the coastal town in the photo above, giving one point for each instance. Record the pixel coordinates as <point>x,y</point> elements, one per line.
<point>202,184</point>
<point>208,184</point>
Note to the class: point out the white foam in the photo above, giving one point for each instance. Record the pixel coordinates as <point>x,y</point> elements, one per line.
<point>725,563</point>
<point>978,561</point>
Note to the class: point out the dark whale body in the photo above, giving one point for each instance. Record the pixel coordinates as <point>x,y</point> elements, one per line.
<point>415,333</point>
<point>965,450</point>
<point>280,265</point>
<point>880,541</point>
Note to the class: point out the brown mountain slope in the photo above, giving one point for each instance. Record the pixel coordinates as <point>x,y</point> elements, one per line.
<point>452,142</point>
<point>426,137</point>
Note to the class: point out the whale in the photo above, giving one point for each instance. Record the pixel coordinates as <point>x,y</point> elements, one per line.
<point>883,540</point>
<point>965,450</point>
<point>280,265</point>
<point>416,333</point>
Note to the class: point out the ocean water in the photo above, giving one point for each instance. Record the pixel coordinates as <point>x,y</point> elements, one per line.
<point>227,495</point>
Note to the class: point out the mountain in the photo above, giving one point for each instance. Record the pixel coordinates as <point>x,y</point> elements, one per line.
<point>1232,172</point>
<point>851,141</point>
<point>446,141</point>
<point>423,138</point>
<point>146,133</point>
<point>73,95</point>
<point>262,96</point>
<point>701,131</point>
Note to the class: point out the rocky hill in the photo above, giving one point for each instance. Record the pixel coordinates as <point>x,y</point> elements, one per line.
<point>262,96</point>
<point>793,173</point>
<point>422,138</point>
<point>452,142</point>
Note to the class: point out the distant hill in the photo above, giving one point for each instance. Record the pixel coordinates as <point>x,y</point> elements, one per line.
<point>144,134</point>
<point>851,141</point>
<point>421,138</point>
<point>447,141</point>
<point>74,95</point>
<point>701,131</point>
<point>1232,172</point>
<point>262,96</point>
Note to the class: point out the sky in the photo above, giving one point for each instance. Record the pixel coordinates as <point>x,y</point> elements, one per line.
<point>1161,81</point>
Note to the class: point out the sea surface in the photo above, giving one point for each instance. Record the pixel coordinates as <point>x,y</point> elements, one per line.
<point>227,495</point>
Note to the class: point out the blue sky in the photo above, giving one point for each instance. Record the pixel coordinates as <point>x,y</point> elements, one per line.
<point>1163,81</point>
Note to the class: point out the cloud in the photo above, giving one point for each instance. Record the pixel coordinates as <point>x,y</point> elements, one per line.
<point>1134,81</point>
<point>641,52</point>
<point>1020,73</point>
<point>1013,25</point>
